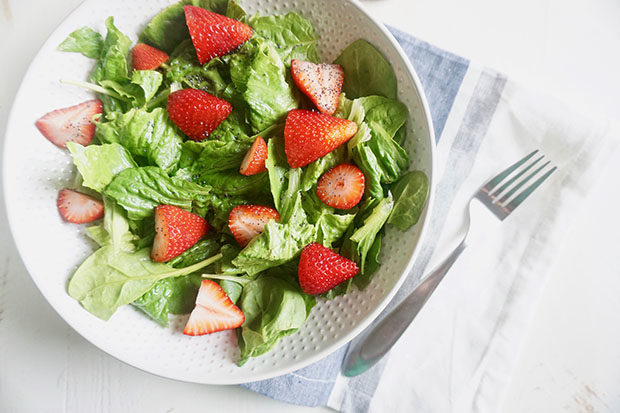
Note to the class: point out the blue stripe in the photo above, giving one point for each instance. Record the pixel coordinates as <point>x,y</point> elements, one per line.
<point>440,72</point>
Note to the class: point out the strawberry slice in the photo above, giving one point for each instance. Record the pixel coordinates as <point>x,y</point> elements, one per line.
<point>175,231</point>
<point>213,312</point>
<point>321,269</point>
<point>309,135</point>
<point>71,124</point>
<point>254,161</point>
<point>341,187</point>
<point>145,57</point>
<point>248,221</point>
<point>214,35</point>
<point>197,113</point>
<point>321,82</point>
<point>77,207</point>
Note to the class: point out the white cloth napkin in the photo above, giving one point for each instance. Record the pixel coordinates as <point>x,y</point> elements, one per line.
<point>459,354</point>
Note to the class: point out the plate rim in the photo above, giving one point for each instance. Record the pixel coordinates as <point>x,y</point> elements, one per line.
<point>342,341</point>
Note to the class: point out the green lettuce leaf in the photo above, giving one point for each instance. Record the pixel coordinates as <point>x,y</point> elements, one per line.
<point>258,73</point>
<point>273,308</point>
<point>85,41</point>
<point>410,194</point>
<point>98,164</point>
<point>292,34</point>
<point>279,243</point>
<point>277,169</point>
<point>366,72</point>
<point>109,279</point>
<point>112,63</point>
<point>150,135</point>
<point>362,242</point>
<point>200,251</point>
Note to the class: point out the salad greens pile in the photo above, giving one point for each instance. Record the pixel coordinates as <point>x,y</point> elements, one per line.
<point>139,159</point>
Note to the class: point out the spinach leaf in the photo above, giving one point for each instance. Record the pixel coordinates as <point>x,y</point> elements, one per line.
<point>388,114</point>
<point>366,72</point>
<point>98,164</point>
<point>108,279</point>
<point>410,194</point>
<point>174,295</point>
<point>258,73</point>
<point>292,34</point>
<point>150,135</point>
<point>200,251</point>
<point>112,63</point>
<point>273,309</point>
<point>84,40</point>
<point>167,29</point>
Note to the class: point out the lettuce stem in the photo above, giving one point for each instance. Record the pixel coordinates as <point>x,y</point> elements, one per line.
<point>95,88</point>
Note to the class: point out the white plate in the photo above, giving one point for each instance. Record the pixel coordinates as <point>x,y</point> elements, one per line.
<point>34,171</point>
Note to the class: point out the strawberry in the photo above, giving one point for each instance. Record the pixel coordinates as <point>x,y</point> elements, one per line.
<point>214,35</point>
<point>145,57</point>
<point>341,187</point>
<point>197,113</point>
<point>175,231</point>
<point>72,124</point>
<point>248,221</point>
<point>254,161</point>
<point>213,312</point>
<point>77,207</point>
<point>322,83</point>
<point>321,269</point>
<point>309,135</point>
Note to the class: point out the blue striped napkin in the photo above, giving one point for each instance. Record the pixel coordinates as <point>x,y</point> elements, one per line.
<point>460,352</point>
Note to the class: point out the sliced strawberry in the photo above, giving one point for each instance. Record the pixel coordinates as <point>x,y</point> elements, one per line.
<point>321,82</point>
<point>145,57</point>
<point>72,124</point>
<point>197,113</point>
<point>248,221</point>
<point>77,207</point>
<point>321,269</point>
<point>175,231</point>
<point>214,35</point>
<point>309,135</point>
<point>341,187</point>
<point>254,161</point>
<point>213,312</point>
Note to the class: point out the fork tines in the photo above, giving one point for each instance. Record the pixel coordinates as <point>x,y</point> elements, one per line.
<point>503,189</point>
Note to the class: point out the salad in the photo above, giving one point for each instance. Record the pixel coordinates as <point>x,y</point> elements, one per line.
<point>229,173</point>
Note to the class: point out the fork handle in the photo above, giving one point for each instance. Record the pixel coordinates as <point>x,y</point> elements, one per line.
<point>364,353</point>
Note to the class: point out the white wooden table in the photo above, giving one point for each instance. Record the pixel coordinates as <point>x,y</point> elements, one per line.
<point>571,360</point>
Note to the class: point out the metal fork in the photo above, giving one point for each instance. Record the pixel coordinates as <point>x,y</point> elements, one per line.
<point>494,201</point>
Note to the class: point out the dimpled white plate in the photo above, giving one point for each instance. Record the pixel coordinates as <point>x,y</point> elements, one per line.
<point>34,171</point>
